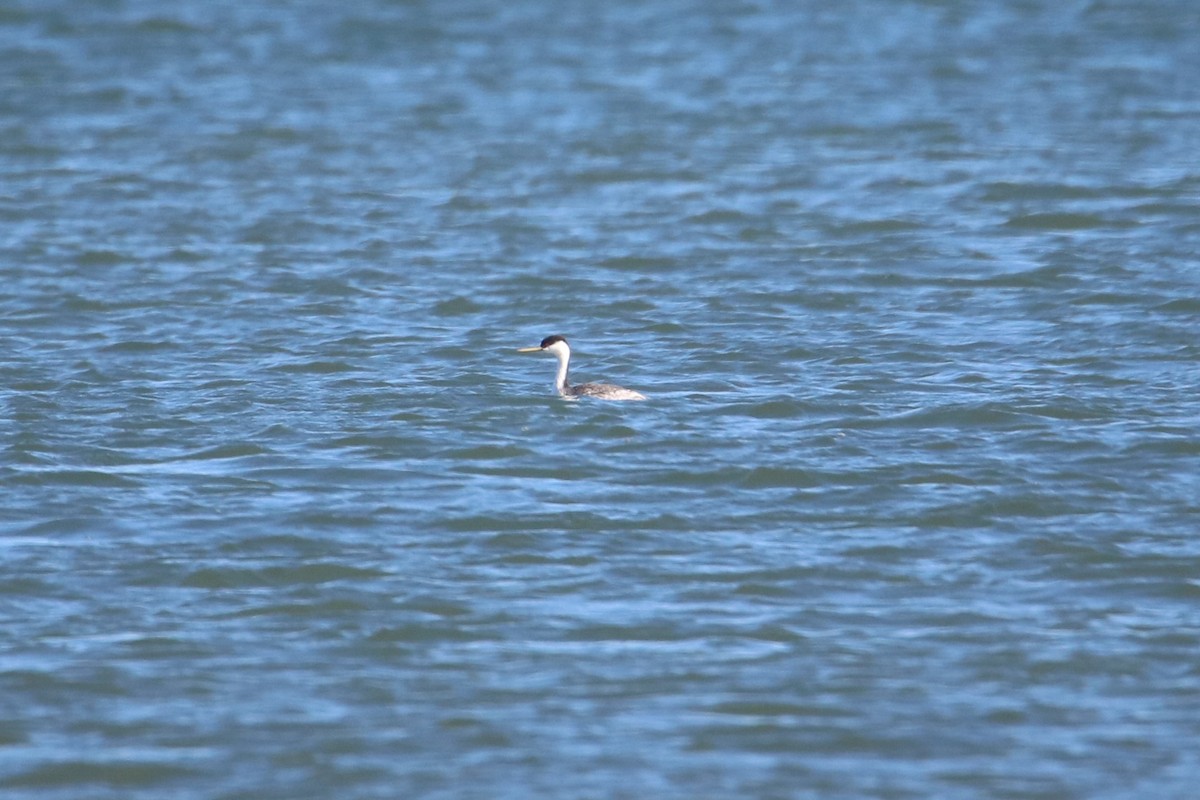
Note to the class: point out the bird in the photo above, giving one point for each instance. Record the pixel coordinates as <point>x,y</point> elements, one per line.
<point>557,346</point>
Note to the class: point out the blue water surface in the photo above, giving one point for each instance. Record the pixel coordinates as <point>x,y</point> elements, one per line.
<point>911,511</point>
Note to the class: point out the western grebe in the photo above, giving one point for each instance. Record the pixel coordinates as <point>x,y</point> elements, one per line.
<point>558,347</point>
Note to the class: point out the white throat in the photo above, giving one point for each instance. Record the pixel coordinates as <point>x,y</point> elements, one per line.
<point>563,354</point>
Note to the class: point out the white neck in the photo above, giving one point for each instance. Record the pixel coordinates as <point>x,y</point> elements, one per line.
<point>560,380</point>
<point>563,354</point>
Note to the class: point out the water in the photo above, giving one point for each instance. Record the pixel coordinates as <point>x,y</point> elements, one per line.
<point>912,510</point>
